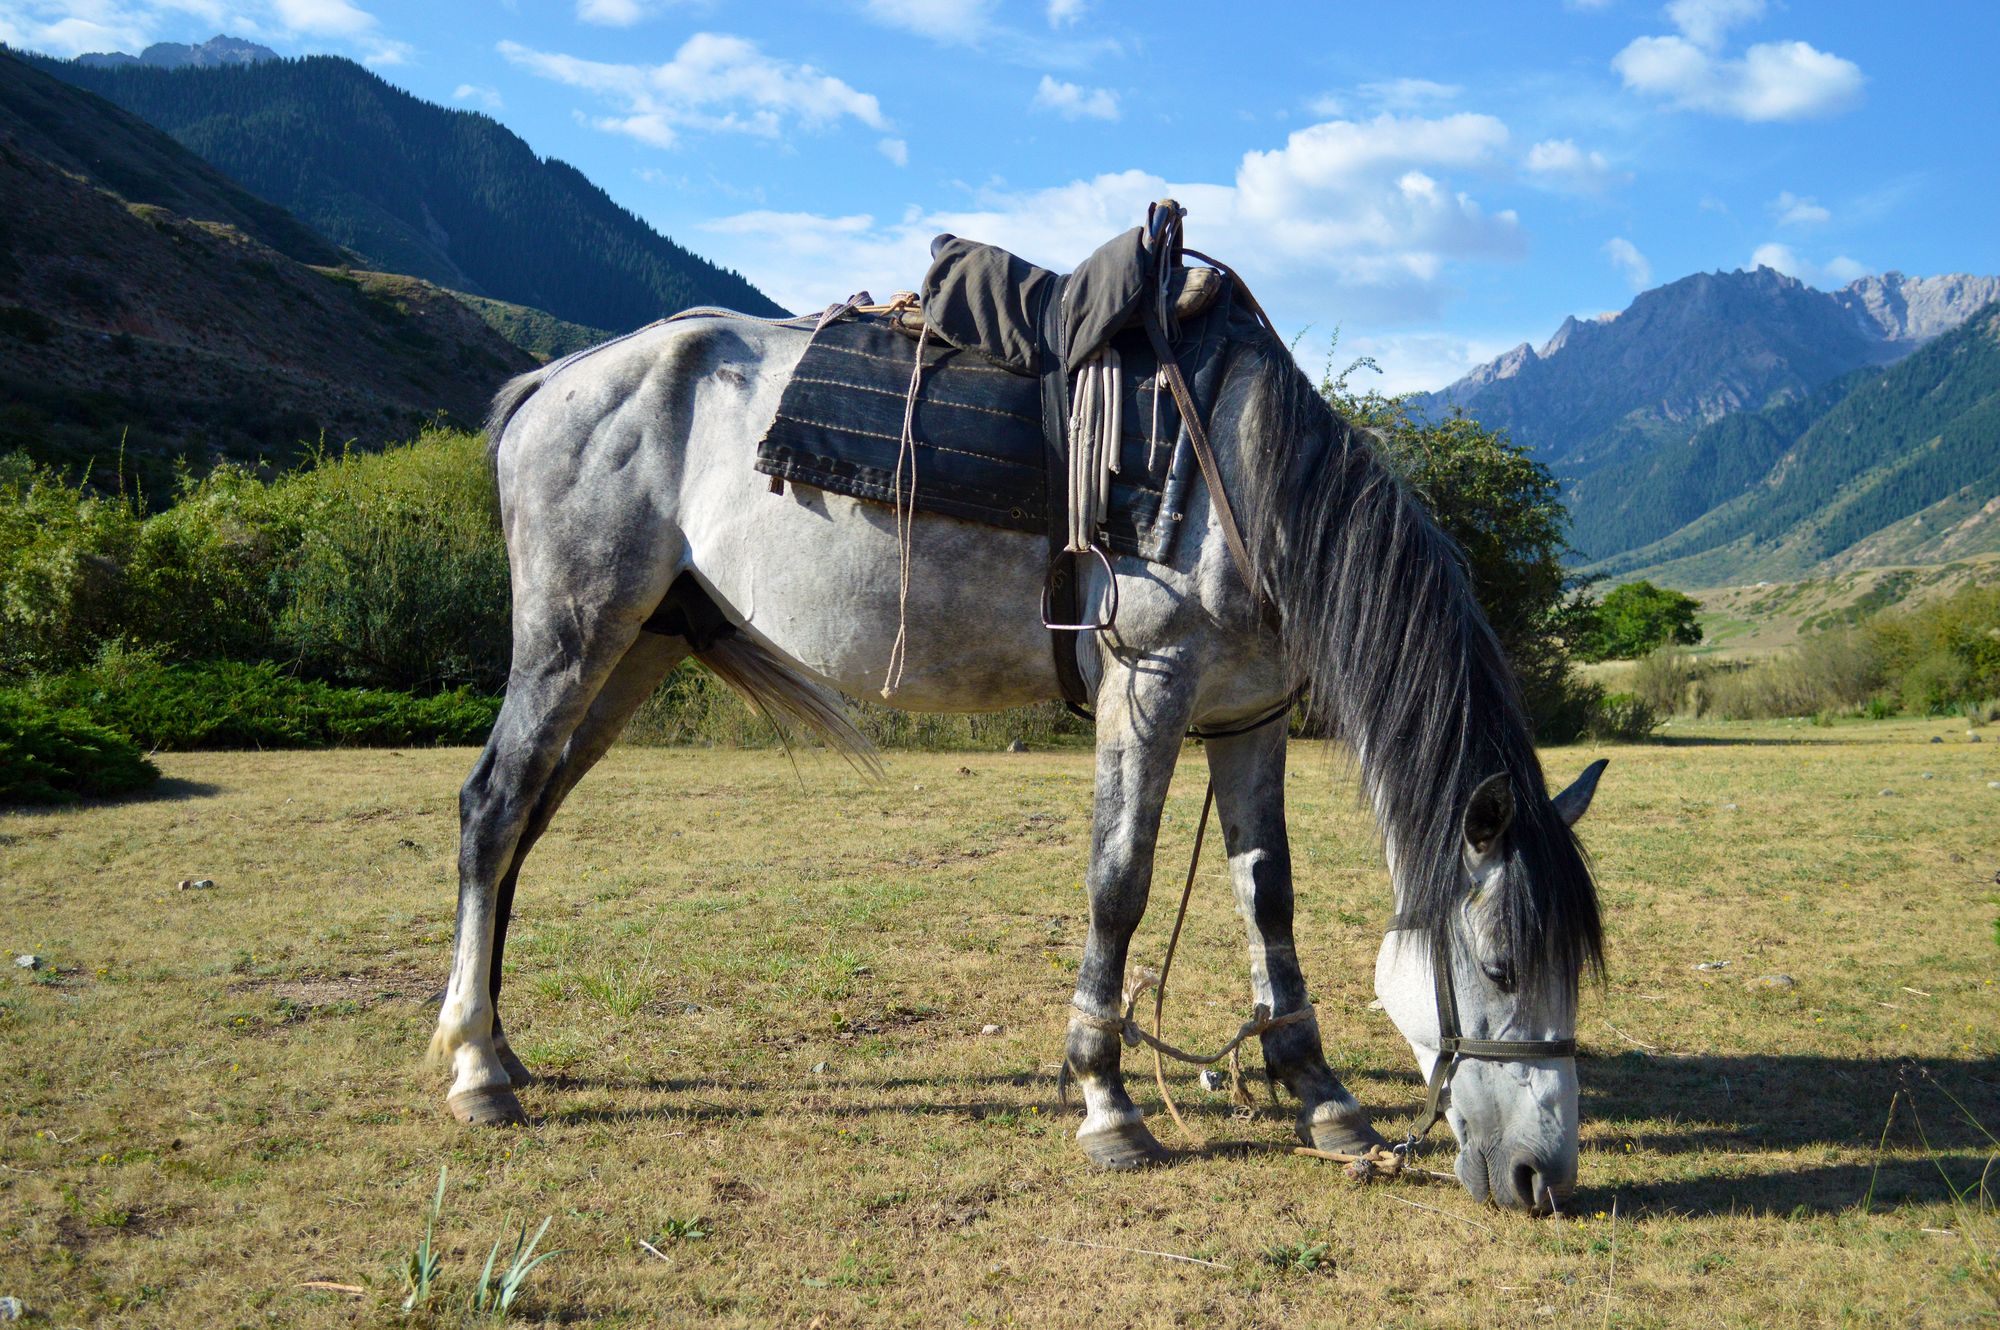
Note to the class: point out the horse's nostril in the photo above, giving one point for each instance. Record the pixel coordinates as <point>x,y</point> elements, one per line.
<point>1525,1179</point>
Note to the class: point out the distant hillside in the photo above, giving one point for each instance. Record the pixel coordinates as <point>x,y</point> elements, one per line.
<point>534,331</point>
<point>1766,616</point>
<point>127,325</point>
<point>88,136</point>
<point>449,196</point>
<point>1895,465</point>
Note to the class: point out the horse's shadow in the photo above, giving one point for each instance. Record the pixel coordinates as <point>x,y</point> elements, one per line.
<point>1929,1126</point>
<point>1731,1128</point>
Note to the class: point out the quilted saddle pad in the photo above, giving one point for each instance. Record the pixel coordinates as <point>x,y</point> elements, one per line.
<point>978,433</point>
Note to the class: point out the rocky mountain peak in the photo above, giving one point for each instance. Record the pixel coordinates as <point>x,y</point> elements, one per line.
<point>217,51</point>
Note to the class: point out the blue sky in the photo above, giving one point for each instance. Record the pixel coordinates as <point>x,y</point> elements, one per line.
<point>1438,180</point>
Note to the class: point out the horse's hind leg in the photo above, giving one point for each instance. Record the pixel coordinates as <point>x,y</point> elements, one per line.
<point>641,671</point>
<point>1249,775</point>
<point>1140,719</point>
<point>564,653</point>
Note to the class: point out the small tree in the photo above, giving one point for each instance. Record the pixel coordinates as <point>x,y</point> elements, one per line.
<point>1505,511</point>
<point>1637,617</point>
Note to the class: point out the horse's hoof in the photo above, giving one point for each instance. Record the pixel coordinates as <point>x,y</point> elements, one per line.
<point>1123,1148</point>
<point>1351,1136</point>
<point>488,1106</point>
<point>517,1071</point>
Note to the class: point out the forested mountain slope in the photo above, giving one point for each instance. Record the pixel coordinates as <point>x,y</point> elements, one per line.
<point>450,196</point>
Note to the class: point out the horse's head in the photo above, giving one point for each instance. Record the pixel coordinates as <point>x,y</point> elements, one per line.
<point>1500,1028</point>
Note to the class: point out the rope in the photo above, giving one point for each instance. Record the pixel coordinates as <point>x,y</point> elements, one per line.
<point>905,522</point>
<point>1127,1027</point>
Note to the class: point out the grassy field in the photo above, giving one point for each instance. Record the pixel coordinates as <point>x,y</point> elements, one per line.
<point>759,994</point>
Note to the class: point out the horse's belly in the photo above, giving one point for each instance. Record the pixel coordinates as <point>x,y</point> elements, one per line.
<point>817,577</point>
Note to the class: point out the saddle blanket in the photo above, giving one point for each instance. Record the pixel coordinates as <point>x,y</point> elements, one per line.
<point>978,432</point>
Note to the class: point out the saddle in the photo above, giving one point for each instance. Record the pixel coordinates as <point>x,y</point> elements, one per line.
<point>1097,357</point>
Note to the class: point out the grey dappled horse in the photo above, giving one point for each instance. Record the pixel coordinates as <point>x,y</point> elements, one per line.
<point>628,499</point>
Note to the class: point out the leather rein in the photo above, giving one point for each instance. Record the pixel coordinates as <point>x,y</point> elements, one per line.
<point>1452,1045</point>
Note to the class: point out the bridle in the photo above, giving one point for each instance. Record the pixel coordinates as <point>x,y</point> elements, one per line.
<point>1452,1045</point>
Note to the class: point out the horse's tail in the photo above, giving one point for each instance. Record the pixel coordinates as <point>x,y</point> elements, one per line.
<point>777,691</point>
<point>506,402</point>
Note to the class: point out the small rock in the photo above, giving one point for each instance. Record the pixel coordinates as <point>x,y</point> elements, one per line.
<point>965,771</point>
<point>1211,1080</point>
<point>197,884</point>
<point>1713,965</point>
<point>1771,982</point>
<point>1930,775</point>
<point>1375,1005</point>
<point>918,786</point>
<point>1972,736</point>
<point>1993,784</point>
<point>690,1008</point>
<point>11,1309</point>
<point>1886,794</point>
<point>992,1029</point>
<point>1937,738</point>
<point>28,962</point>
<point>1017,747</point>
<point>822,1068</point>
<point>1732,808</point>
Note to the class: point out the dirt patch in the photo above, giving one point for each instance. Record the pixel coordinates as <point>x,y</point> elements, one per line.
<point>362,990</point>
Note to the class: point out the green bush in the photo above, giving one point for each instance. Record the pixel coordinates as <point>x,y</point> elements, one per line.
<point>1664,677</point>
<point>1633,619</point>
<point>228,704</point>
<point>53,756</point>
<point>377,568</point>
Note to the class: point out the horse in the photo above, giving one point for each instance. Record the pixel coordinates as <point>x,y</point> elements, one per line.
<point>638,536</point>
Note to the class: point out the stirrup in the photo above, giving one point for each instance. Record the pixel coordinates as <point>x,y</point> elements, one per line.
<point>1048,584</point>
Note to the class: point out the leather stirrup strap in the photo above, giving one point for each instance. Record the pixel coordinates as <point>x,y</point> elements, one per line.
<point>1062,574</point>
<point>1204,456</point>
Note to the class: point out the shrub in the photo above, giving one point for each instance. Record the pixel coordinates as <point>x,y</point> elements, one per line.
<point>228,704</point>
<point>1623,717</point>
<point>53,756</point>
<point>1664,677</point>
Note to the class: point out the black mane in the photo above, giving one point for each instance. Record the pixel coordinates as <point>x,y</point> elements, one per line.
<point>1379,617</point>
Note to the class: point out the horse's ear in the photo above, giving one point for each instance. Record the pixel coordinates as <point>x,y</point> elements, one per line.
<point>1574,802</point>
<point>1488,814</point>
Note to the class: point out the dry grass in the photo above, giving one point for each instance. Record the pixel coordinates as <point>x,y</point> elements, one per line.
<point>216,1097</point>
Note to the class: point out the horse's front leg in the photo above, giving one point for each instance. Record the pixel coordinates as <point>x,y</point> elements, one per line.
<point>1140,719</point>
<point>1249,776</point>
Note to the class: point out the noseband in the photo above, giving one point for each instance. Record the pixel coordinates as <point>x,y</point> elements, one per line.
<point>1452,1045</point>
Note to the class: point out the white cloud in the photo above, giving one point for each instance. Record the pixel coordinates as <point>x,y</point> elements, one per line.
<point>1559,164</point>
<point>1625,257</point>
<point>478,94</point>
<point>1407,94</point>
<point>1408,362</point>
<point>953,21</point>
<point>1063,13</point>
<point>1792,210</point>
<point>1706,22</point>
<point>620,13</point>
<point>896,150</point>
<point>336,18</point>
<point>1835,272</point>
<point>1772,81</point>
<point>1351,220</point>
<point>1075,103</point>
<point>715,84</point>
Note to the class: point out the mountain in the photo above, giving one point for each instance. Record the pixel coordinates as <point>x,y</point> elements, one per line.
<point>449,196</point>
<point>1615,405</point>
<point>125,324</point>
<point>1885,465</point>
<point>88,136</point>
<point>211,54</point>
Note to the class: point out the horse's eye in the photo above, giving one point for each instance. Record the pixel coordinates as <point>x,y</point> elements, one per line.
<point>1501,973</point>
